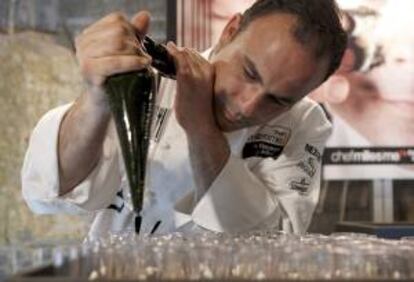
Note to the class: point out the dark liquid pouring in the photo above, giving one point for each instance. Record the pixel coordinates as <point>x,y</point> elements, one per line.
<point>132,98</point>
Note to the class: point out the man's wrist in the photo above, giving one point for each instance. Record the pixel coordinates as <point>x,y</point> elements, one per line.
<point>209,152</point>
<point>202,129</point>
<point>95,100</point>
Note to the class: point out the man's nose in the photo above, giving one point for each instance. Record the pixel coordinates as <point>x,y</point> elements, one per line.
<point>248,98</point>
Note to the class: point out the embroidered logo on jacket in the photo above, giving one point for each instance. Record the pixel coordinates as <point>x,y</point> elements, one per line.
<point>313,151</point>
<point>301,186</point>
<point>308,166</point>
<point>268,143</point>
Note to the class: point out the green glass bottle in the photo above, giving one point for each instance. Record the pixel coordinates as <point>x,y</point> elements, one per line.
<point>132,98</point>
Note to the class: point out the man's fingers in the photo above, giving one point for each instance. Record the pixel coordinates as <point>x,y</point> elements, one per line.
<point>196,57</point>
<point>111,46</point>
<point>111,65</point>
<point>111,18</point>
<point>182,59</point>
<point>172,48</point>
<point>179,54</point>
<point>98,50</point>
<point>141,22</point>
<point>106,37</point>
<point>189,61</point>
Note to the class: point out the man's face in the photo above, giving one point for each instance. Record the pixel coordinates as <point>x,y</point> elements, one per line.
<point>261,72</point>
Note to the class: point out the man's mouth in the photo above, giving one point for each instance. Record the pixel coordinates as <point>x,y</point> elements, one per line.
<point>229,113</point>
<point>229,116</point>
<point>227,119</point>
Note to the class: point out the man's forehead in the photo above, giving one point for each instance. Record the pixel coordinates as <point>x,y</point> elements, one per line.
<point>269,34</point>
<point>276,22</point>
<point>289,70</point>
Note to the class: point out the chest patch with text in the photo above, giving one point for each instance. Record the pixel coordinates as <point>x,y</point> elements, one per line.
<point>269,143</point>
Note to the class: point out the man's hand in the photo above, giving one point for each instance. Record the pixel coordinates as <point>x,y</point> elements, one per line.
<point>111,46</point>
<point>107,47</point>
<point>195,80</point>
<point>208,147</point>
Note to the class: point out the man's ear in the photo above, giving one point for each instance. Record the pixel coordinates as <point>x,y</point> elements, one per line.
<point>230,30</point>
<point>348,62</point>
<point>333,91</point>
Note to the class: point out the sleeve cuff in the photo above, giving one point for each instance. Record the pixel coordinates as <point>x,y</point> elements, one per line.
<point>40,174</point>
<point>236,201</point>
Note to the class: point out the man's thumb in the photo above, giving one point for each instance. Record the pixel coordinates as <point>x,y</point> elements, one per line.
<point>141,22</point>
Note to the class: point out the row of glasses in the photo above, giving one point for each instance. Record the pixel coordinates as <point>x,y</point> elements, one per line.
<point>252,256</point>
<point>28,256</point>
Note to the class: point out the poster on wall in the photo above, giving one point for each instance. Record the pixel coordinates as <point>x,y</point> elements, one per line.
<point>370,99</point>
<point>222,11</point>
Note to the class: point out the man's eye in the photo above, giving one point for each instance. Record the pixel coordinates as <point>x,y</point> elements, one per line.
<point>249,75</point>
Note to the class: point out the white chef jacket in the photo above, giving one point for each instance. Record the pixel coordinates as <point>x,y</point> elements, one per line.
<point>271,179</point>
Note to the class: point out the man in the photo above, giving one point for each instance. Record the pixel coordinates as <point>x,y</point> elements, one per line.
<point>241,150</point>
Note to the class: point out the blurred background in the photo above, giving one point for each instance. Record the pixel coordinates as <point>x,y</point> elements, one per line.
<point>368,167</point>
